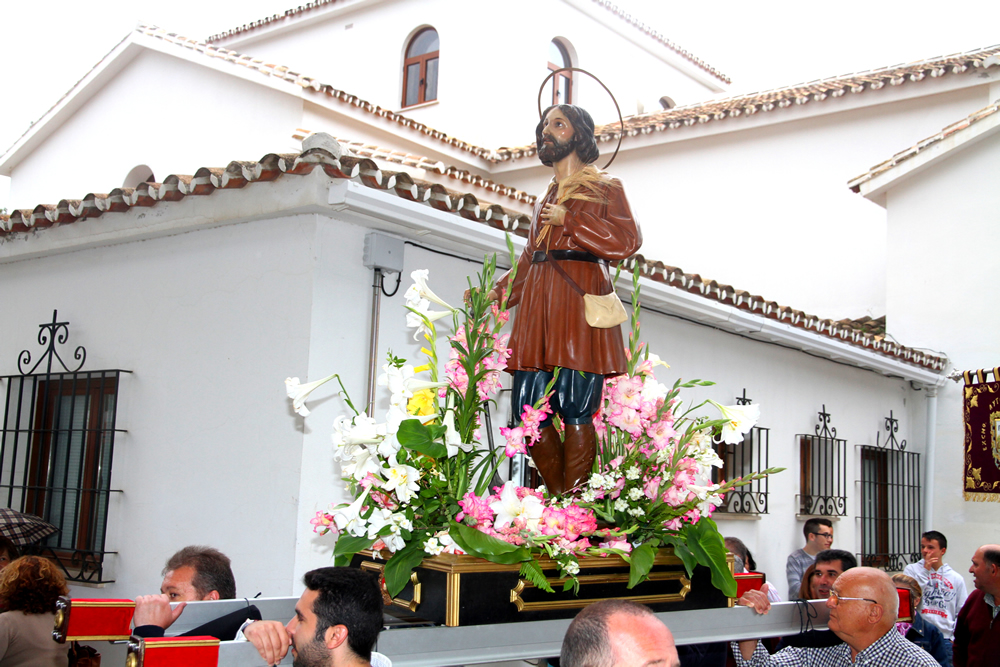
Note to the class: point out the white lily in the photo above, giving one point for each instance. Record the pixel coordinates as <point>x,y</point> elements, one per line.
<point>388,448</point>
<point>510,507</point>
<point>740,419</point>
<point>652,390</point>
<point>363,461</point>
<point>419,278</point>
<point>420,315</point>
<point>349,518</point>
<point>402,479</point>
<point>393,378</point>
<point>299,392</point>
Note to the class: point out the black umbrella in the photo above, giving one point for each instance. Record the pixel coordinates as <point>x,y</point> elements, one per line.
<point>24,529</point>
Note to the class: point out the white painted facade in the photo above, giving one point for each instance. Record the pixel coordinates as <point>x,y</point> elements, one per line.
<point>488,73</point>
<point>941,294</point>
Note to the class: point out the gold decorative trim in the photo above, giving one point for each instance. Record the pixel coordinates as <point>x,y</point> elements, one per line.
<point>465,563</point>
<point>411,605</point>
<point>452,599</point>
<point>95,638</point>
<point>577,603</point>
<point>123,604</point>
<point>183,643</point>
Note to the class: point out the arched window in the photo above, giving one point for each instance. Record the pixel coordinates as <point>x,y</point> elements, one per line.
<point>562,83</point>
<point>420,69</point>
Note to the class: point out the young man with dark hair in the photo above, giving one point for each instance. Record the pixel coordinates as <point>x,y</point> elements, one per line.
<point>192,574</point>
<point>944,590</point>
<point>617,633</point>
<point>977,632</point>
<point>830,564</point>
<point>337,620</point>
<point>819,536</point>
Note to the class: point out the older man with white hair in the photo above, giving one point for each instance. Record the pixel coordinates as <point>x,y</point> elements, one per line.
<point>863,607</point>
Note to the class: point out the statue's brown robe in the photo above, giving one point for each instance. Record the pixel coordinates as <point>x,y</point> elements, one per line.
<point>549,324</point>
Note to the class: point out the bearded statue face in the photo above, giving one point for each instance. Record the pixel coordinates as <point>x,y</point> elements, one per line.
<point>557,137</point>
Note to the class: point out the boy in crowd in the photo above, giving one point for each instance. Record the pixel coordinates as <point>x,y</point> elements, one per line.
<point>944,589</point>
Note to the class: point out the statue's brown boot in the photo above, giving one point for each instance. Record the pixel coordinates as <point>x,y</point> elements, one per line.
<point>547,453</point>
<point>579,450</point>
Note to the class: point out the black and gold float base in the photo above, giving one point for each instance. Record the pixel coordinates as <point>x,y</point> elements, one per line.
<point>462,590</point>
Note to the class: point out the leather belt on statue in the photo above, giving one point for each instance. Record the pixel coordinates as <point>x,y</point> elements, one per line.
<point>575,255</point>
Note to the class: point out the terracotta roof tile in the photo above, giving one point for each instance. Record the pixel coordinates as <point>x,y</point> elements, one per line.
<point>922,145</point>
<point>783,98</point>
<point>865,333</point>
<point>375,152</point>
<point>610,6</point>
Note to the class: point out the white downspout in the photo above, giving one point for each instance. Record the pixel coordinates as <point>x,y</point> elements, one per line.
<point>929,459</point>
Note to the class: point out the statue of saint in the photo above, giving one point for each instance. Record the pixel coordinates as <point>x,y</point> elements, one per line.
<point>582,222</point>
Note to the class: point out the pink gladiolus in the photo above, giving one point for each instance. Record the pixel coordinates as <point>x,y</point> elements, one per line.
<point>476,507</point>
<point>627,392</point>
<point>661,434</point>
<point>515,440</point>
<point>673,524</point>
<point>579,521</point>
<point>616,543</point>
<point>627,419</point>
<point>553,522</point>
<point>651,488</point>
<point>617,491</point>
<point>322,523</point>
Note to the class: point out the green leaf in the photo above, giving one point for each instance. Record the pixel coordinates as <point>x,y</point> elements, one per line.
<point>398,568</point>
<point>414,435</point>
<point>532,571</point>
<point>709,548</point>
<point>347,546</point>
<point>477,543</point>
<point>642,563</point>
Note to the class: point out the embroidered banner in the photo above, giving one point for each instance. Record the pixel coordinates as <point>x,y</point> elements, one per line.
<point>982,436</point>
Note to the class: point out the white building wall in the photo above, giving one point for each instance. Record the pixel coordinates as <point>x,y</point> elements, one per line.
<point>492,62</point>
<point>941,294</point>
<point>161,111</point>
<point>210,324</point>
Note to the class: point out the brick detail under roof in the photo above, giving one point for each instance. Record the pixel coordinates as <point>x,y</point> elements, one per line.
<point>610,6</point>
<point>237,175</point>
<point>814,92</point>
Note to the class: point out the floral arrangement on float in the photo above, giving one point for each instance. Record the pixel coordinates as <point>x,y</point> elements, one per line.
<point>421,481</point>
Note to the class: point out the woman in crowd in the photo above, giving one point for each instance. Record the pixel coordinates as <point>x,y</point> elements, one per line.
<point>921,633</point>
<point>30,586</point>
<point>807,591</point>
<point>8,552</point>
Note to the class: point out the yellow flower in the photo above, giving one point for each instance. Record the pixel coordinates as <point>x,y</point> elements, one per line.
<point>422,403</point>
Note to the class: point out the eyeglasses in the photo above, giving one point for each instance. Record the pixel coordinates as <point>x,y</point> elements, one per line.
<point>838,598</point>
<point>828,536</point>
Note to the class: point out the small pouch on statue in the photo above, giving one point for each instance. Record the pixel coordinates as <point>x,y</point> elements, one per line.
<point>603,311</point>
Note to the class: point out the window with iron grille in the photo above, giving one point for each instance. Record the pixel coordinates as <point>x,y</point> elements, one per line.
<point>890,502</point>
<point>822,471</point>
<point>740,460</point>
<point>57,440</point>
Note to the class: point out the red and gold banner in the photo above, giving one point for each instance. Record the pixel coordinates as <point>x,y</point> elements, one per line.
<point>982,436</point>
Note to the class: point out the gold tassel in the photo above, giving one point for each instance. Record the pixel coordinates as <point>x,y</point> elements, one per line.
<point>977,497</point>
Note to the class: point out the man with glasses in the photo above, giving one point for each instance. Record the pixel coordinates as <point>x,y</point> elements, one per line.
<point>819,537</point>
<point>863,607</point>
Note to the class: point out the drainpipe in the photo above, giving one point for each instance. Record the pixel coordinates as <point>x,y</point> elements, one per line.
<point>929,457</point>
<point>373,344</point>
